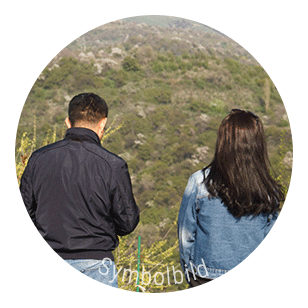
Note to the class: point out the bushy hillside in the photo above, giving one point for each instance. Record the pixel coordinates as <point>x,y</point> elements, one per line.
<point>168,87</point>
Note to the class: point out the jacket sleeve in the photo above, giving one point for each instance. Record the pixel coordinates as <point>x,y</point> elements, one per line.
<point>125,211</point>
<point>187,223</point>
<point>26,190</point>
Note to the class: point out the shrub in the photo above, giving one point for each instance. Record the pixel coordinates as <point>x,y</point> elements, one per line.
<point>119,77</point>
<point>160,94</point>
<point>199,82</point>
<point>157,66</point>
<point>163,96</point>
<point>185,56</point>
<point>233,66</point>
<point>144,151</point>
<point>170,66</point>
<point>130,64</point>
<point>198,105</point>
<point>218,106</point>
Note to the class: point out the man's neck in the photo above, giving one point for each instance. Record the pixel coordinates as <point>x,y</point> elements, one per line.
<point>94,129</point>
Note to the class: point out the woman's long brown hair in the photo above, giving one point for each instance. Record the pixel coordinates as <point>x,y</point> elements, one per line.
<point>240,171</point>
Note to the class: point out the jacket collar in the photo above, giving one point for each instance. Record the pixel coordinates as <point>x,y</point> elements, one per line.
<point>82,134</point>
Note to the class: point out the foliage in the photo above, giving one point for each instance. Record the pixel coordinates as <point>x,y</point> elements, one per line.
<point>24,151</point>
<point>158,94</point>
<point>130,64</point>
<point>218,107</point>
<point>283,170</point>
<point>69,72</point>
<point>156,264</point>
<point>109,131</point>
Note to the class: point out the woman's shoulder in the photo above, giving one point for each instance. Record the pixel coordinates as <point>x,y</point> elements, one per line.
<point>200,175</point>
<point>198,179</point>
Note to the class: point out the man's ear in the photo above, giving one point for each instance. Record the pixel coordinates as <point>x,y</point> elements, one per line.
<point>101,127</point>
<point>68,122</point>
<point>102,124</point>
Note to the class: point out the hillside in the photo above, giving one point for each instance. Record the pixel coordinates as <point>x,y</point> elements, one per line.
<point>169,83</point>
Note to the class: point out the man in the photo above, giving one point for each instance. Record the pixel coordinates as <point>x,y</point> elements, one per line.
<point>79,195</point>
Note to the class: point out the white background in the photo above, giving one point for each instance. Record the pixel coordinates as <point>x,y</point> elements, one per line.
<point>33,32</point>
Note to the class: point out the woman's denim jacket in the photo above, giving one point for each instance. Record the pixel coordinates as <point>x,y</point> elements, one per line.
<point>211,240</point>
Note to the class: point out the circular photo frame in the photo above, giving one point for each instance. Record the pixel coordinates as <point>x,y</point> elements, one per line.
<point>200,131</point>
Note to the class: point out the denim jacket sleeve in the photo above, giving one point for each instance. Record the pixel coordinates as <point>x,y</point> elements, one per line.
<point>187,222</point>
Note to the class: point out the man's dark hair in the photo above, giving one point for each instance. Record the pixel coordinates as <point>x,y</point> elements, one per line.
<point>87,108</point>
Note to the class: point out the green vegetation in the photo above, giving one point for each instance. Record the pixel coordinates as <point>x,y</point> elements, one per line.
<point>167,96</point>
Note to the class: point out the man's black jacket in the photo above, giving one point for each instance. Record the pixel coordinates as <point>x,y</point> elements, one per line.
<point>79,196</point>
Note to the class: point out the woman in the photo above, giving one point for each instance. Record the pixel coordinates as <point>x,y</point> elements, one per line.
<point>230,206</point>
